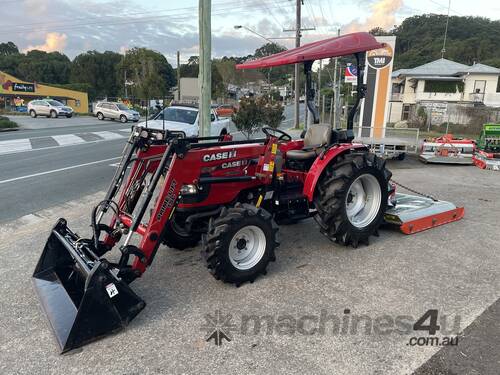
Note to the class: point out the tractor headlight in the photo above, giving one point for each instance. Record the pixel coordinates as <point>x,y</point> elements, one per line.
<point>189,190</point>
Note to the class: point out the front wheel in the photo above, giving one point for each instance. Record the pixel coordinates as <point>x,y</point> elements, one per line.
<point>100,116</point>
<point>53,114</point>
<point>177,237</point>
<point>351,198</point>
<point>33,113</point>
<point>240,243</point>
<point>123,119</point>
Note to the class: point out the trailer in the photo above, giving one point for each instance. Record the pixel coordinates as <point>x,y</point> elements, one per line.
<point>447,150</point>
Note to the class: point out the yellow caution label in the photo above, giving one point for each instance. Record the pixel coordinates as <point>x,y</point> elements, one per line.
<point>274,148</point>
<point>259,201</point>
<point>271,166</point>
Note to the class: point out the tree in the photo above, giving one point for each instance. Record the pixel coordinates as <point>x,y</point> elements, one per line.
<point>192,68</point>
<point>40,66</point>
<point>99,71</point>
<point>8,48</point>
<point>248,119</point>
<point>150,72</point>
<point>277,75</point>
<point>271,111</point>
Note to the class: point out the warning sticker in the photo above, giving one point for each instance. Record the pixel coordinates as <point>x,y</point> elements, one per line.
<point>111,289</point>
<point>274,148</point>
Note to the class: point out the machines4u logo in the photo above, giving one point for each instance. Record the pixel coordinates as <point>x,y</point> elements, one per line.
<point>380,58</point>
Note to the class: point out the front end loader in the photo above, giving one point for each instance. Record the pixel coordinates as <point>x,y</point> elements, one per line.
<point>231,195</point>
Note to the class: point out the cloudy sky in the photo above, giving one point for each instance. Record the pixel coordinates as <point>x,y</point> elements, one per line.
<point>74,26</point>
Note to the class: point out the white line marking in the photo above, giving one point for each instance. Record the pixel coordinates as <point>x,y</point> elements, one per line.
<point>124,130</point>
<point>15,145</point>
<point>68,139</point>
<point>57,170</point>
<point>108,135</point>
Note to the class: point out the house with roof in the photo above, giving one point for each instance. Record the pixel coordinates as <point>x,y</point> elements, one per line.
<point>440,82</point>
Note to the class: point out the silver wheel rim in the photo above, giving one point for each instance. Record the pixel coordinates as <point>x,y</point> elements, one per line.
<point>363,200</point>
<point>247,247</point>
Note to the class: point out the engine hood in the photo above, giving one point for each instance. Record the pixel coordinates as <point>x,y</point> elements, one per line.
<point>188,129</point>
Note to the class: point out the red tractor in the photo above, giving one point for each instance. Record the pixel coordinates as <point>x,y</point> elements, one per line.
<point>231,195</point>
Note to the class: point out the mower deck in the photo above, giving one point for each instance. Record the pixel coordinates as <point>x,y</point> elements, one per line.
<point>415,214</point>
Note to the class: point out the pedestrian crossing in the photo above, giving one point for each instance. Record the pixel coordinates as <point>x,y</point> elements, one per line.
<point>61,140</point>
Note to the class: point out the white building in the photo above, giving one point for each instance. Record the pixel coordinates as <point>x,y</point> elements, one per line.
<point>440,82</point>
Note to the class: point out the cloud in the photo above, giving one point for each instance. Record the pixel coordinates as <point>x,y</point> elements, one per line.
<point>53,42</point>
<point>383,14</point>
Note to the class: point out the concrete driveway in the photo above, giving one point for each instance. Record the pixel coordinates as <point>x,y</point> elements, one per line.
<point>453,269</point>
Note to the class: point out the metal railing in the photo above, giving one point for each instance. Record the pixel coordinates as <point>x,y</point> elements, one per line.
<point>395,140</point>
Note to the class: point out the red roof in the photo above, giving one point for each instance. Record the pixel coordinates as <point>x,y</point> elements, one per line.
<point>333,47</point>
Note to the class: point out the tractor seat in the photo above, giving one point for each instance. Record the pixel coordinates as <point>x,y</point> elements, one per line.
<point>316,139</point>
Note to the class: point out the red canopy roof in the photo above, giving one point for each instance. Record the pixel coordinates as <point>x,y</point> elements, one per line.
<point>333,47</point>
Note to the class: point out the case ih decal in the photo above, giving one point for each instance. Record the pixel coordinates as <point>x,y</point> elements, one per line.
<point>219,156</point>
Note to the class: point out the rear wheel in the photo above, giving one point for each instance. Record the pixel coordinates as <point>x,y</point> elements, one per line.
<point>240,243</point>
<point>100,116</point>
<point>351,198</point>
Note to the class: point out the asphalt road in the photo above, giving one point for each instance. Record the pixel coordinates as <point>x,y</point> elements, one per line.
<point>51,161</point>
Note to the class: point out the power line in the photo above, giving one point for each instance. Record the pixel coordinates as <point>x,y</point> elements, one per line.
<point>178,17</point>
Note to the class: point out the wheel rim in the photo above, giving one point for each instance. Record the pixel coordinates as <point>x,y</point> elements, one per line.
<point>123,119</point>
<point>363,200</point>
<point>247,247</point>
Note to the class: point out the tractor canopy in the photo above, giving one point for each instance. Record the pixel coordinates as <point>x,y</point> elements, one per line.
<point>333,47</point>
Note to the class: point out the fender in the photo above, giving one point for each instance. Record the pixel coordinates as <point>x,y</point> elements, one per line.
<point>321,162</point>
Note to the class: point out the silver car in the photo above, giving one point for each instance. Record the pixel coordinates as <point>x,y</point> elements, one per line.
<point>115,111</point>
<point>49,107</point>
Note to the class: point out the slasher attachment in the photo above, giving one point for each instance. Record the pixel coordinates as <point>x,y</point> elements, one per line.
<point>82,298</point>
<point>415,214</point>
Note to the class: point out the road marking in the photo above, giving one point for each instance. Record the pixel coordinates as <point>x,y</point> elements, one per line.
<point>15,145</point>
<point>108,135</point>
<point>68,139</point>
<point>57,170</point>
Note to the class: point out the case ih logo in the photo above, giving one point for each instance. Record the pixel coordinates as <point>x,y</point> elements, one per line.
<point>219,156</point>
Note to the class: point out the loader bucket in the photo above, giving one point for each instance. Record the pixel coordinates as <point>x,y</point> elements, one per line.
<point>415,214</point>
<point>82,298</point>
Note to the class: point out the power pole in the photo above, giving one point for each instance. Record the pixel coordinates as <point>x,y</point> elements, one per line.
<point>338,107</point>
<point>298,34</point>
<point>179,75</point>
<point>318,95</point>
<point>336,90</point>
<point>125,82</point>
<point>297,80</point>
<point>205,73</point>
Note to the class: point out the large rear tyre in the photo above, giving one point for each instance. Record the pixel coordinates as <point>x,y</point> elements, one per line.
<point>176,237</point>
<point>351,198</point>
<point>240,243</point>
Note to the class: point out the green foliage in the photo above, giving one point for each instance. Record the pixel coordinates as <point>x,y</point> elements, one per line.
<point>8,48</point>
<point>470,39</point>
<point>443,86</point>
<point>5,123</point>
<point>40,66</point>
<point>277,75</point>
<point>150,72</point>
<point>192,68</point>
<point>271,111</point>
<point>98,71</point>
<point>248,119</point>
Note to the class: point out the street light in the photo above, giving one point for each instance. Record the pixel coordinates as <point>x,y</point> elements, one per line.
<point>270,40</point>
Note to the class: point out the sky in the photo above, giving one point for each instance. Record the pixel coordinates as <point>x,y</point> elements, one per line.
<point>76,26</point>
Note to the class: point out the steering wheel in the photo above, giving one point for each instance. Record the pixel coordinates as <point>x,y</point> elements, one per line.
<point>283,137</point>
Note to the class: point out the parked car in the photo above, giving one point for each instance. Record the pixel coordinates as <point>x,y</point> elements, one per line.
<point>185,118</point>
<point>115,111</point>
<point>50,108</point>
<point>225,110</point>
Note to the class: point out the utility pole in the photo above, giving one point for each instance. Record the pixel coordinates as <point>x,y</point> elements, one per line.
<point>205,73</point>
<point>298,34</point>
<point>297,80</point>
<point>179,75</point>
<point>318,94</point>
<point>125,82</point>
<point>336,91</point>
<point>338,106</point>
